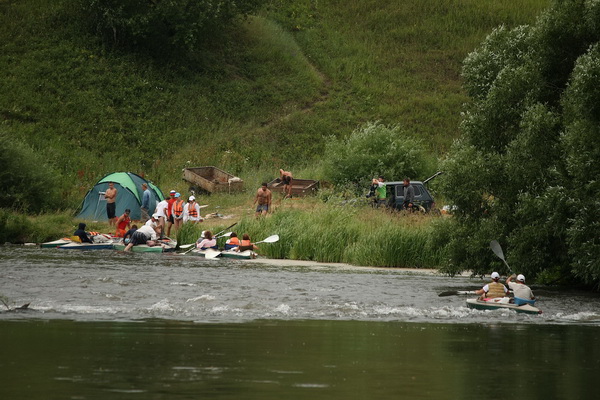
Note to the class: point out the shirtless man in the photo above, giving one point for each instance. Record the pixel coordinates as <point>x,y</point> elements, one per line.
<point>263,198</point>
<point>111,196</point>
<point>286,178</point>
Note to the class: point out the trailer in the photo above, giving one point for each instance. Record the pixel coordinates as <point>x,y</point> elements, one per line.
<point>300,187</point>
<point>213,180</point>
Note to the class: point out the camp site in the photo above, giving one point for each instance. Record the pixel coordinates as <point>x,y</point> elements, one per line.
<point>299,199</point>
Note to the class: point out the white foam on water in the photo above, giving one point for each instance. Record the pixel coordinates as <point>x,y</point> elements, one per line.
<point>283,309</point>
<point>182,284</point>
<point>584,316</point>
<point>162,306</point>
<point>204,297</point>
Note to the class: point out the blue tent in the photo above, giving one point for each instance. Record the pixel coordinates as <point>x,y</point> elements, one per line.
<point>129,195</point>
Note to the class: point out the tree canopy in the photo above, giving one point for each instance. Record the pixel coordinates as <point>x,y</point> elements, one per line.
<point>526,169</point>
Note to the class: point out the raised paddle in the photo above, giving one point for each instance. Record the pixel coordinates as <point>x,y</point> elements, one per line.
<point>270,239</point>
<point>497,249</point>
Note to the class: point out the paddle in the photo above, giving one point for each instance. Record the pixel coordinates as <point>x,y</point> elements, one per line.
<point>455,292</point>
<point>497,249</point>
<point>211,253</point>
<point>187,246</point>
<point>270,239</point>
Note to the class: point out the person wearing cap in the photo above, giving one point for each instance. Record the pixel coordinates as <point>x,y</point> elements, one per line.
<point>177,211</point>
<point>521,291</point>
<point>153,221</point>
<point>494,289</point>
<point>170,203</point>
<point>191,211</point>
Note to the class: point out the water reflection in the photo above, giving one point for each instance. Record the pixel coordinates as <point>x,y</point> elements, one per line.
<point>295,359</point>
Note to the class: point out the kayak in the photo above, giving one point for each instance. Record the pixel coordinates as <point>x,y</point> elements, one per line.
<point>87,246</point>
<point>55,243</point>
<point>144,248</point>
<point>496,305</point>
<point>208,253</point>
<point>239,255</point>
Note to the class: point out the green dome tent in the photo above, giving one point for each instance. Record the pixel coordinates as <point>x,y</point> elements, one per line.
<point>129,195</point>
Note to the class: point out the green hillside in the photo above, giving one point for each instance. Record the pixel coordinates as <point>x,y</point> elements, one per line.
<point>268,93</point>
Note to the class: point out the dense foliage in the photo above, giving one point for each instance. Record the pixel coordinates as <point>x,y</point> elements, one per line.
<point>26,182</point>
<point>526,169</point>
<point>163,25</point>
<point>375,149</point>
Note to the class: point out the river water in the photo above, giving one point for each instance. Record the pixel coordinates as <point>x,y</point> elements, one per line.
<point>109,325</point>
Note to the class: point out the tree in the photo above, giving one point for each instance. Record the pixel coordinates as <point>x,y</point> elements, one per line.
<point>162,26</point>
<point>526,167</point>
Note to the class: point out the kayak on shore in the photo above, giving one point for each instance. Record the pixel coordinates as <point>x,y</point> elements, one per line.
<point>496,304</point>
<point>212,253</point>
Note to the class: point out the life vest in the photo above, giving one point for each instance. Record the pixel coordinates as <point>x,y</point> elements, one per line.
<point>178,208</point>
<point>246,243</point>
<point>124,223</point>
<point>234,241</point>
<point>496,290</point>
<point>192,211</point>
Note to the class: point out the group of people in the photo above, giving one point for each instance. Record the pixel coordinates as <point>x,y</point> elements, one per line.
<point>378,191</point>
<point>495,289</point>
<point>208,241</point>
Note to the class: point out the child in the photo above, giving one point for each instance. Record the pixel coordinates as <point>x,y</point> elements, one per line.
<point>232,242</point>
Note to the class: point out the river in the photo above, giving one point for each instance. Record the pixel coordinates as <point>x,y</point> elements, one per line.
<point>109,325</point>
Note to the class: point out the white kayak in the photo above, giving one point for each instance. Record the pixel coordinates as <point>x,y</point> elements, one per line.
<point>495,304</point>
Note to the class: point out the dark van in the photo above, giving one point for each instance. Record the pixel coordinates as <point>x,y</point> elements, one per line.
<point>423,197</point>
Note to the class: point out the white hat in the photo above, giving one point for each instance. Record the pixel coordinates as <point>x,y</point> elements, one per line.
<point>521,278</point>
<point>155,216</point>
<point>495,275</point>
<point>192,198</point>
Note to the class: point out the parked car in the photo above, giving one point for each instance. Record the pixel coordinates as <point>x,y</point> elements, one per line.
<point>423,198</point>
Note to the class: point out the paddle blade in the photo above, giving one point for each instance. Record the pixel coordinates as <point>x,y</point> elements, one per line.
<point>186,246</point>
<point>270,239</point>
<point>224,235</point>
<point>456,292</point>
<point>211,254</point>
<point>497,249</point>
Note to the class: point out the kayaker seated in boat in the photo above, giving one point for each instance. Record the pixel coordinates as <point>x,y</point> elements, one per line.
<point>81,234</point>
<point>206,241</point>
<point>232,242</point>
<point>492,290</point>
<point>522,292</point>
<point>246,244</point>
<point>145,235</point>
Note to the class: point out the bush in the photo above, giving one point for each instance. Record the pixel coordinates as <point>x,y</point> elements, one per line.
<point>27,183</point>
<point>376,149</point>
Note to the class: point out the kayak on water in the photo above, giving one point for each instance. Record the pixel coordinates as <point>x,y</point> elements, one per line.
<point>87,246</point>
<point>55,243</point>
<point>496,304</point>
<point>240,255</point>
<point>144,248</point>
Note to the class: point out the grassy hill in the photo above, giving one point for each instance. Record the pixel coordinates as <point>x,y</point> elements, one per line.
<point>268,94</point>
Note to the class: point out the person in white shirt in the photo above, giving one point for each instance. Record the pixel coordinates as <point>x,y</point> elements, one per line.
<point>520,289</point>
<point>142,236</point>
<point>191,211</point>
<point>161,211</point>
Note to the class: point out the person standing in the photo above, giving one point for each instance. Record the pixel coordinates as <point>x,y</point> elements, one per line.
<point>170,219</point>
<point>286,178</point>
<point>409,195</point>
<point>161,213</point>
<point>177,211</point>
<point>145,202</point>
<point>111,206</point>
<point>494,289</point>
<point>521,291</point>
<point>191,211</point>
<point>123,222</point>
<point>380,191</point>
<point>263,198</point>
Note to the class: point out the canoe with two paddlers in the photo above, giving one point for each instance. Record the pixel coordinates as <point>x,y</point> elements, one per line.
<point>502,303</point>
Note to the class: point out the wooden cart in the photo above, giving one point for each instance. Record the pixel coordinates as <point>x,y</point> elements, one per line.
<point>300,187</point>
<point>213,179</point>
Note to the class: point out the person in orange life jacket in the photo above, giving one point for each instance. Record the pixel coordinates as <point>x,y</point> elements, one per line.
<point>232,242</point>
<point>494,289</point>
<point>191,211</point>
<point>206,241</point>
<point>177,211</point>
<point>123,222</point>
<point>80,232</point>
<point>246,244</point>
<point>170,203</point>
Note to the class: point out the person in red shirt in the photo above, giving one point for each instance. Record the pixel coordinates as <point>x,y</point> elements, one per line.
<point>170,211</point>
<point>123,222</point>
